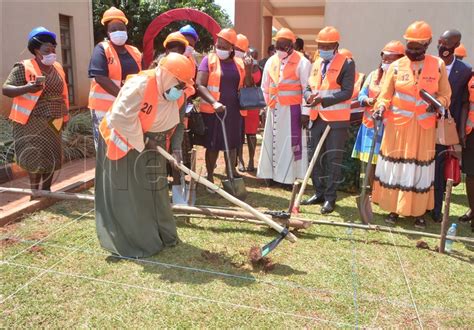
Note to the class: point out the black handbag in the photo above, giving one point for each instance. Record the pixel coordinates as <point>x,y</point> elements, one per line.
<point>251,98</point>
<point>196,123</point>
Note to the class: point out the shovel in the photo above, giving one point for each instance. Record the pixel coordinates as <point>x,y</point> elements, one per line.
<point>363,201</point>
<point>234,186</point>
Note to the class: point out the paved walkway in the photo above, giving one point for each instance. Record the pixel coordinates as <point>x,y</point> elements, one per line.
<point>75,175</point>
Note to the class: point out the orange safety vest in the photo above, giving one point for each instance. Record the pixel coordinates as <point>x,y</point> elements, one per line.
<point>288,90</point>
<point>329,86</point>
<point>359,80</point>
<point>99,99</point>
<point>23,104</point>
<point>374,91</point>
<point>117,145</point>
<point>214,81</point>
<point>470,118</point>
<point>406,100</point>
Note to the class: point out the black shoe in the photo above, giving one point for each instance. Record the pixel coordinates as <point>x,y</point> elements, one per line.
<point>313,200</point>
<point>436,216</point>
<point>328,207</point>
<point>420,223</point>
<point>391,219</point>
<point>466,217</point>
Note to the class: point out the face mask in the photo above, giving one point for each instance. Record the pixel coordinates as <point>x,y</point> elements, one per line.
<point>119,37</point>
<point>326,55</point>
<point>222,54</point>
<point>445,52</point>
<point>385,66</point>
<point>173,94</point>
<point>189,51</point>
<point>49,59</point>
<point>415,55</point>
<point>282,54</point>
<point>239,54</point>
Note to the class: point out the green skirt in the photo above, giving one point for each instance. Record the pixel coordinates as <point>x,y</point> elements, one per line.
<point>132,204</point>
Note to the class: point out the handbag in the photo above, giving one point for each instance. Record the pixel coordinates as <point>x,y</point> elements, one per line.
<point>251,98</point>
<point>452,169</point>
<point>196,123</point>
<point>446,132</point>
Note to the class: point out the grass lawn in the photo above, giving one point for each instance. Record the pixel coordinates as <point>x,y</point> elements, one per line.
<point>54,274</point>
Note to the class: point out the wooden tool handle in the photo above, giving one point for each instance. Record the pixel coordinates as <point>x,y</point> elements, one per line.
<point>311,166</point>
<point>260,216</point>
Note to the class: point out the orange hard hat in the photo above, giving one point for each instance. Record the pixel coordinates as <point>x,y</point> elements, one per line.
<point>394,47</point>
<point>229,35</point>
<point>460,51</point>
<point>179,66</point>
<point>242,42</point>
<point>285,33</point>
<point>327,35</point>
<point>113,13</point>
<point>346,52</point>
<point>418,31</point>
<point>175,36</point>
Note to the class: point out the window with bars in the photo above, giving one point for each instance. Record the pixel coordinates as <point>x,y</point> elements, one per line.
<point>66,53</point>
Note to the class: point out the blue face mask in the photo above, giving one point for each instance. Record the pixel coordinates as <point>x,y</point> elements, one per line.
<point>326,55</point>
<point>173,94</point>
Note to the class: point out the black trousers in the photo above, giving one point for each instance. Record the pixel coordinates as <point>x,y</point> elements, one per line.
<point>326,174</point>
<point>439,180</point>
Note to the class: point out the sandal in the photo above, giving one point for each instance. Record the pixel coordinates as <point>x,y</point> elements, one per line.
<point>391,218</point>
<point>420,223</point>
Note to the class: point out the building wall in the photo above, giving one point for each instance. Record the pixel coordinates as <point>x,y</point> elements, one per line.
<point>366,27</point>
<point>20,17</point>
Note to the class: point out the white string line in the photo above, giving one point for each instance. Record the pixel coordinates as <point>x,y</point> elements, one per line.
<point>407,282</point>
<point>52,233</point>
<point>354,277</point>
<point>370,298</point>
<point>179,294</point>
<point>42,273</point>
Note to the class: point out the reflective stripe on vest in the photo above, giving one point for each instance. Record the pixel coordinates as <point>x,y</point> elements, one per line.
<point>214,81</point>
<point>23,105</point>
<point>99,99</point>
<point>117,145</point>
<point>285,90</point>
<point>406,98</point>
<point>326,87</point>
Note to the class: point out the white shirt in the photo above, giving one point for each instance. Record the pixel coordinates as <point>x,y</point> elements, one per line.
<point>450,66</point>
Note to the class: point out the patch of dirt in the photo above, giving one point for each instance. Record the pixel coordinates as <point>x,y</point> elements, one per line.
<point>35,249</point>
<point>255,258</point>
<point>212,257</point>
<point>422,245</point>
<point>9,241</point>
<point>37,236</point>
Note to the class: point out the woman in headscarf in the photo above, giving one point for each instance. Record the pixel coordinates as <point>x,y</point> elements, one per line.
<point>111,62</point>
<point>133,211</point>
<point>38,87</point>
<point>404,177</point>
<point>392,51</point>
<point>220,76</point>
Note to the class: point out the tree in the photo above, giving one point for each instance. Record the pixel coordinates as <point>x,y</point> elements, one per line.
<point>141,13</point>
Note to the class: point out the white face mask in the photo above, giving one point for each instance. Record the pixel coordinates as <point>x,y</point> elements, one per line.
<point>222,54</point>
<point>189,51</point>
<point>281,54</point>
<point>49,59</point>
<point>385,66</point>
<point>239,54</point>
<point>119,38</point>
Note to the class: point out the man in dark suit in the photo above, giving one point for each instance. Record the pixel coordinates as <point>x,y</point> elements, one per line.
<point>459,74</point>
<point>326,174</point>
